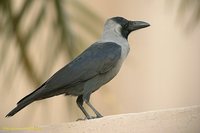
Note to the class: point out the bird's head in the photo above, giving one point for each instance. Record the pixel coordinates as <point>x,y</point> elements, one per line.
<point>124,26</point>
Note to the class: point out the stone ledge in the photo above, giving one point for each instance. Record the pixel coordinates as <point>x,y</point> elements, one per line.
<point>177,120</point>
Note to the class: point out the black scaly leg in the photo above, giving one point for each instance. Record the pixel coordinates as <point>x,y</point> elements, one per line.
<point>95,111</point>
<point>86,99</point>
<point>79,102</point>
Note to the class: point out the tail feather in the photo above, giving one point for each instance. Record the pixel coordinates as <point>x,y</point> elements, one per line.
<point>25,101</point>
<point>29,95</point>
<point>18,108</point>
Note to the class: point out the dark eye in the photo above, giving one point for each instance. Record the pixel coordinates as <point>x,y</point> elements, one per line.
<point>126,25</point>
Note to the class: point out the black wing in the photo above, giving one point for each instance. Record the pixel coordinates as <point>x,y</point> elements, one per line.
<point>98,58</point>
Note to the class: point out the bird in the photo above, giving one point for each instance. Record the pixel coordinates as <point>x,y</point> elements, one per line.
<point>90,70</point>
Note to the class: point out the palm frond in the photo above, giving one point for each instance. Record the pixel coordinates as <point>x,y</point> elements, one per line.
<point>68,41</point>
<point>189,13</point>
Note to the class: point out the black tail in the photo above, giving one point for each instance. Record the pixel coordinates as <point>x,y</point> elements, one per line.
<point>18,108</point>
<point>25,101</point>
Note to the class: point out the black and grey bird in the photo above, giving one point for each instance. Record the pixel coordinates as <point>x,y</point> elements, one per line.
<point>93,68</point>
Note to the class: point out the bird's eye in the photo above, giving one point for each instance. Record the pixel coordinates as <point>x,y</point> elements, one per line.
<point>126,25</point>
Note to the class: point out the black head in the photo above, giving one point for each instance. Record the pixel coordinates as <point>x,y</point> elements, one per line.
<point>129,26</point>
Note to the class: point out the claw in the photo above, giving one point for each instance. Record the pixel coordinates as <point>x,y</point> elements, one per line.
<point>81,119</point>
<point>99,116</point>
<point>91,117</point>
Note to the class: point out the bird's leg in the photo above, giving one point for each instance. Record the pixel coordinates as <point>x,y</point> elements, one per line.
<point>95,111</point>
<point>79,102</point>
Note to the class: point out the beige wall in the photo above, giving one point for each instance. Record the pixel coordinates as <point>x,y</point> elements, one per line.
<point>161,71</point>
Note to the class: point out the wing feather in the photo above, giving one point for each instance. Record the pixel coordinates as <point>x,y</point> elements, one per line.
<point>97,59</point>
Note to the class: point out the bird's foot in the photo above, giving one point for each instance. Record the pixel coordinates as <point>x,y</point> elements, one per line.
<point>99,115</point>
<point>91,117</point>
<point>81,119</point>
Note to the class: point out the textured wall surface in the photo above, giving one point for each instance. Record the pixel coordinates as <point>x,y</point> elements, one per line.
<point>177,120</point>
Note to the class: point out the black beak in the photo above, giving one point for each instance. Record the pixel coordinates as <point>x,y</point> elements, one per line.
<point>135,25</point>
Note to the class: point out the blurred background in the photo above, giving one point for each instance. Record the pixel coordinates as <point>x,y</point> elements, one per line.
<point>37,38</point>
